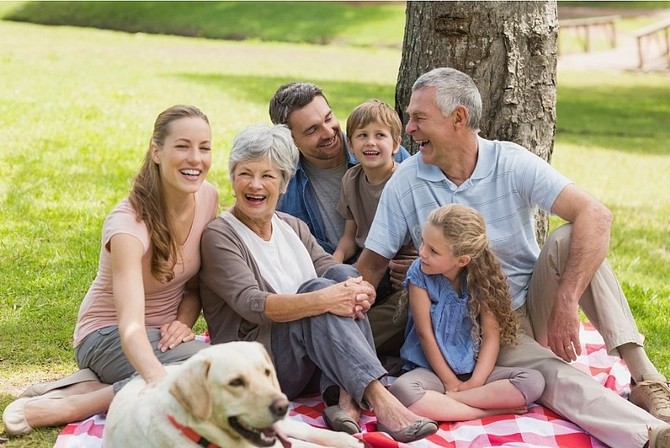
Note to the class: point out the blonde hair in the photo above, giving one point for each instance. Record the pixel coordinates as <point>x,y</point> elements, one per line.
<point>375,111</point>
<point>148,199</point>
<point>464,233</point>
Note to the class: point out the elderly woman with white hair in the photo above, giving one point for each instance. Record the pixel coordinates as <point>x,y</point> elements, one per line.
<point>265,278</point>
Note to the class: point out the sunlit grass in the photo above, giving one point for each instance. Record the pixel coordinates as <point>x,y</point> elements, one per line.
<point>77,107</point>
<point>378,25</point>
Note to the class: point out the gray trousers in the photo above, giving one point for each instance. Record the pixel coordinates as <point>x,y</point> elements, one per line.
<point>569,391</point>
<point>341,349</point>
<point>411,386</point>
<point>101,352</point>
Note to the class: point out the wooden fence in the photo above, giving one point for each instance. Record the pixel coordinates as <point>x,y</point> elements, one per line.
<point>583,27</point>
<point>653,37</point>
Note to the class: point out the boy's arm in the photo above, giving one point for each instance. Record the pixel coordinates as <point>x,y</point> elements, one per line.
<point>346,247</point>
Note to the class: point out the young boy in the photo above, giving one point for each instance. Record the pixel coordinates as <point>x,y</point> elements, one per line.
<point>373,133</point>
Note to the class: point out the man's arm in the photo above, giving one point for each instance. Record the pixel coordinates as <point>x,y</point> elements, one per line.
<point>589,243</point>
<point>372,266</point>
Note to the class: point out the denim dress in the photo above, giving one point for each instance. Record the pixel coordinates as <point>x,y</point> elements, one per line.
<point>451,321</point>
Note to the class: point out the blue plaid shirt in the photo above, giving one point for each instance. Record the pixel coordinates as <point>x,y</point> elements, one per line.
<point>300,200</point>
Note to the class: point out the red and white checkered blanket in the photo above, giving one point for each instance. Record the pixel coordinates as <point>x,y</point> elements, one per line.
<point>538,428</point>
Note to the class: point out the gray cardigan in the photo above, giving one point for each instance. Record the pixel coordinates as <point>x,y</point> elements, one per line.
<point>232,290</point>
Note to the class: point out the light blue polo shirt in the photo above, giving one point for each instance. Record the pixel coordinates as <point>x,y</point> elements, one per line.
<point>507,186</point>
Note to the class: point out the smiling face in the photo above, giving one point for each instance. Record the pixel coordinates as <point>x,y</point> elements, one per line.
<point>257,185</point>
<point>437,257</point>
<point>317,134</point>
<point>374,146</point>
<point>433,131</point>
<point>185,156</point>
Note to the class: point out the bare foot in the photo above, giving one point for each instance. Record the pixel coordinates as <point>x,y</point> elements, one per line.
<point>389,411</point>
<point>59,407</point>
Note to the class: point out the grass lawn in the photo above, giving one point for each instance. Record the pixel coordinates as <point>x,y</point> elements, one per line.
<point>77,106</point>
<point>378,24</point>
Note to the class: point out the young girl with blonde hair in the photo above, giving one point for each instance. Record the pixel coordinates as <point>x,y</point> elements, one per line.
<point>460,314</point>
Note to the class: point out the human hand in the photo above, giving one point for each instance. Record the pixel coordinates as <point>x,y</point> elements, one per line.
<point>563,331</point>
<point>155,378</point>
<point>352,298</point>
<point>398,269</point>
<point>173,334</point>
<point>452,386</point>
<point>365,301</point>
<point>469,384</point>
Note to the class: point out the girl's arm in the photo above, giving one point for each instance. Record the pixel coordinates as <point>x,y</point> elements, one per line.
<point>419,303</point>
<point>128,286</point>
<point>488,351</point>
<point>180,330</point>
<point>347,247</point>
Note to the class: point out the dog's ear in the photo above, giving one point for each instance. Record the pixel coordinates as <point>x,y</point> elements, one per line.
<point>191,389</point>
<point>273,372</point>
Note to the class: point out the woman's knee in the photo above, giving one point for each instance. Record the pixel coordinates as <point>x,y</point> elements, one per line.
<point>530,383</point>
<point>341,272</point>
<point>315,284</point>
<point>334,274</point>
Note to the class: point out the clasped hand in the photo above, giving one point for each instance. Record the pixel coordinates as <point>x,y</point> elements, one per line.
<point>354,297</point>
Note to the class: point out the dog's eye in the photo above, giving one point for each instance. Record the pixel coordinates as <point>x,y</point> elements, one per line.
<point>237,382</point>
<point>268,372</point>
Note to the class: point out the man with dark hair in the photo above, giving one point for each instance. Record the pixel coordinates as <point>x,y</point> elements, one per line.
<point>313,192</point>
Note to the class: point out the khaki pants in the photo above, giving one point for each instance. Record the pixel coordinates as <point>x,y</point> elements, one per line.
<point>388,329</point>
<point>568,391</point>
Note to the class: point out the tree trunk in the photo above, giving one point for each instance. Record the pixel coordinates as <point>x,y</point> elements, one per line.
<point>509,50</point>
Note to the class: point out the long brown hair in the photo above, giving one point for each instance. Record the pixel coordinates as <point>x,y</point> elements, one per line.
<point>464,233</point>
<point>148,199</point>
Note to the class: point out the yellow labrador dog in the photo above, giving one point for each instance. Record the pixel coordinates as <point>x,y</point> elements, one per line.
<point>226,396</point>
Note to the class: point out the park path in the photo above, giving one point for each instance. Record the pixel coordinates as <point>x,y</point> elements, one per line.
<point>622,58</point>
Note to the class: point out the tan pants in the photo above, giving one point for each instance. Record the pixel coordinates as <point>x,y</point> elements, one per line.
<point>568,391</point>
<point>388,329</point>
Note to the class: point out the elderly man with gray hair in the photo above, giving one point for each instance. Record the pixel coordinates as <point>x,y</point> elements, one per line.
<point>506,183</point>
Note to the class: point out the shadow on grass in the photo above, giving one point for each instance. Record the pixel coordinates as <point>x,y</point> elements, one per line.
<point>343,96</point>
<point>631,119</point>
<point>272,21</point>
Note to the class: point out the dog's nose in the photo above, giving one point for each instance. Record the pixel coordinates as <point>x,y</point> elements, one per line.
<point>279,407</point>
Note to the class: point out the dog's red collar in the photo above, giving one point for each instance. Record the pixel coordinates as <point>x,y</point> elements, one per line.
<point>191,434</point>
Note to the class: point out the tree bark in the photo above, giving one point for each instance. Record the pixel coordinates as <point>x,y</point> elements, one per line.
<point>509,50</point>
